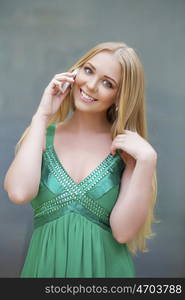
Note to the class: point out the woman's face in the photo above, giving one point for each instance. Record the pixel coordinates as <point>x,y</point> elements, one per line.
<point>97,83</point>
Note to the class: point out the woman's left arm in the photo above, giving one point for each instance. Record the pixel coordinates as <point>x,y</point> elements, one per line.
<point>134,200</point>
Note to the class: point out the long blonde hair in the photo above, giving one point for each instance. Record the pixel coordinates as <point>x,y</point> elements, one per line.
<point>131,115</point>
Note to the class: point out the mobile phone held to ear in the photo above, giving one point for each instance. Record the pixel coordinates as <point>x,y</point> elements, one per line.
<point>65,85</point>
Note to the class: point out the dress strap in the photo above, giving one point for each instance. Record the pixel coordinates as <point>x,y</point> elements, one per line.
<point>50,134</point>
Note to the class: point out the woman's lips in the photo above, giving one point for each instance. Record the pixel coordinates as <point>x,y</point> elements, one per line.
<point>86,98</point>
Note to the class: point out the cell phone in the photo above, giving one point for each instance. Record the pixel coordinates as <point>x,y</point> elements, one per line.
<point>65,85</point>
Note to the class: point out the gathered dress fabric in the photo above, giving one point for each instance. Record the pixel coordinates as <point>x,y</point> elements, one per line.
<point>72,237</point>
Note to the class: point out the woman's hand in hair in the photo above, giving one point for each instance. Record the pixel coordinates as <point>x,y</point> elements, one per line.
<point>53,96</point>
<point>134,148</point>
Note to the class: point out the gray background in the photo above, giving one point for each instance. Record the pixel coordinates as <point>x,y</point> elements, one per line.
<point>41,38</point>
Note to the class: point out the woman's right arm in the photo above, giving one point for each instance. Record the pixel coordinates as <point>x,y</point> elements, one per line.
<point>23,176</point>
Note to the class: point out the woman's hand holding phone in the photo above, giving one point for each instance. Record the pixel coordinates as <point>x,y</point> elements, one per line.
<point>55,93</point>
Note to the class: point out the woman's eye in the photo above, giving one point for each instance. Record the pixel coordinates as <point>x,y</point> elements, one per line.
<point>107,83</point>
<point>87,70</point>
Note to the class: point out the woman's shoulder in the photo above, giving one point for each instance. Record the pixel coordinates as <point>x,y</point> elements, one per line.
<point>55,125</point>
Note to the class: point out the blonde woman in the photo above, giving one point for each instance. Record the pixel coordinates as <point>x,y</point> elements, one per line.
<point>87,169</point>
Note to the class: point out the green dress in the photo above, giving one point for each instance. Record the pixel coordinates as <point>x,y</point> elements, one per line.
<point>72,237</point>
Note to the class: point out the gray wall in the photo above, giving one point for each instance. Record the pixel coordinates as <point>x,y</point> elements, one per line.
<point>41,38</point>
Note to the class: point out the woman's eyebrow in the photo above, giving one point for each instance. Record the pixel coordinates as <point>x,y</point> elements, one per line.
<point>93,67</point>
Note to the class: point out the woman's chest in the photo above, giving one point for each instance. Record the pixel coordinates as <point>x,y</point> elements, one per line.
<point>80,159</point>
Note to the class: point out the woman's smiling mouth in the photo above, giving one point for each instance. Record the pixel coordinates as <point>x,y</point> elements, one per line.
<point>85,97</point>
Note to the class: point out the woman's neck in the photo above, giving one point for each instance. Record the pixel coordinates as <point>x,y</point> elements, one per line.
<point>88,122</point>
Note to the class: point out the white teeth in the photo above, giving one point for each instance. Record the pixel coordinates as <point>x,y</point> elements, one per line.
<point>87,97</point>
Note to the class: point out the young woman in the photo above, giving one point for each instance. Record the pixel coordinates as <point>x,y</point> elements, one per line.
<point>87,169</point>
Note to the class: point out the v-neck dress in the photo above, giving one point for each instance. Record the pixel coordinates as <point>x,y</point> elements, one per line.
<point>72,237</point>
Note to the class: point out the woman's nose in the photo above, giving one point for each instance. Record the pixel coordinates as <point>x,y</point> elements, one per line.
<point>92,84</point>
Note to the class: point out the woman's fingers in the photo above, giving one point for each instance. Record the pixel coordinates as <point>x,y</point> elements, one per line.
<point>66,79</point>
<point>65,74</point>
<point>114,147</point>
<point>62,76</point>
<point>57,84</point>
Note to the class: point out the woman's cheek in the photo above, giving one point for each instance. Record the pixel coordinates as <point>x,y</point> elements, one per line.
<point>79,79</point>
<point>108,95</point>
